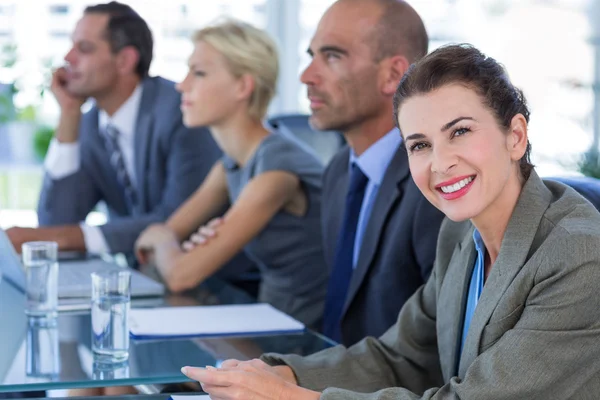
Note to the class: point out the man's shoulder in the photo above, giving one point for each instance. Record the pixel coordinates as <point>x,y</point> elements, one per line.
<point>339,162</point>
<point>163,92</point>
<point>161,103</point>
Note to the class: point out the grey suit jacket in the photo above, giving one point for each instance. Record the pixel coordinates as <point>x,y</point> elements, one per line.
<point>171,162</point>
<point>398,248</point>
<point>535,333</point>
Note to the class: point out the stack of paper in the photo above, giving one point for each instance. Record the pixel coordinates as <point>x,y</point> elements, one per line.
<point>227,320</point>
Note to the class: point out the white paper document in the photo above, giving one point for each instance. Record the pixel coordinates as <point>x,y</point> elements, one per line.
<point>191,397</point>
<point>225,320</point>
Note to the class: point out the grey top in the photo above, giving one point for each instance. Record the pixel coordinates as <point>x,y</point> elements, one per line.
<point>289,250</point>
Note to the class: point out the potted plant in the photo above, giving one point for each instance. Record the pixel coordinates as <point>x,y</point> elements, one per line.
<point>589,163</point>
<point>27,140</point>
<point>41,141</point>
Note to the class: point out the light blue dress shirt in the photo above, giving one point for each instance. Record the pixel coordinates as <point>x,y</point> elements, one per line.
<point>373,163</point>
<point>475,286</point>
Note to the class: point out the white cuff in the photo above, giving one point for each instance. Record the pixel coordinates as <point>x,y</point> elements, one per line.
<point>94,239</point>
<point>62,159</point>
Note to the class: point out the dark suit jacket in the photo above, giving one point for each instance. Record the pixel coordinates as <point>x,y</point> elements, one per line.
<point>398,247</point>
<point>535,332</point>
<point>171,161</point>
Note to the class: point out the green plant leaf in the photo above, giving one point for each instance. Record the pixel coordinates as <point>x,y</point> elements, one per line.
<point>41,141</point>
<point>589,164</point>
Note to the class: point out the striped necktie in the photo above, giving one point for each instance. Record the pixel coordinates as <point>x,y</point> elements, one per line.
<point>111,135</point>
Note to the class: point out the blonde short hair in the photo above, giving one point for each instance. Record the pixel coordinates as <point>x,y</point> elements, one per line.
<point>247,50</point>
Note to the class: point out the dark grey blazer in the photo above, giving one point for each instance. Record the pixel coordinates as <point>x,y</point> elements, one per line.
<point>398,247</point>
<point>535,333</point>
<point>171,162</point>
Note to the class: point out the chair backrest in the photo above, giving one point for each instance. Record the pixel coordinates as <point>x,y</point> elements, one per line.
<point>586,186</point>
<point>324,143</point>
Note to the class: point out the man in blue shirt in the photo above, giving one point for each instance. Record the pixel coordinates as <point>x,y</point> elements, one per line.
<point>379,231</point>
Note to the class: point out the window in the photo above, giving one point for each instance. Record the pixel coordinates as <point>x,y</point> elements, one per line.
<point>58,9</point>
<point>7,10</point>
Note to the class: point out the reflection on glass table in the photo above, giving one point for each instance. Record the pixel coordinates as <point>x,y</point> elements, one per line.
<point>161,396</point>
<point>59,356</point>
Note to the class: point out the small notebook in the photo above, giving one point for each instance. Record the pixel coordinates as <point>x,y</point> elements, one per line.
<point>225,320</point>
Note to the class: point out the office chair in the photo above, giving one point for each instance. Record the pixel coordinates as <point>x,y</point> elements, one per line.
<point>323,143</point>
<point>585,186</point>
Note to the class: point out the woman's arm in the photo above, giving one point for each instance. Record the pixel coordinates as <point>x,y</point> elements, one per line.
<point>210,197</point>
<point>260,200</point>
<point>204,204</point>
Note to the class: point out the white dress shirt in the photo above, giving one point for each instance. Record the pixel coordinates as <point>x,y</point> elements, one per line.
<point>63,159</point>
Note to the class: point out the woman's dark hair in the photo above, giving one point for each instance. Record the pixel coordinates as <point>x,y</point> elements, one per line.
<point>126,28</point>
<point>464,64</point>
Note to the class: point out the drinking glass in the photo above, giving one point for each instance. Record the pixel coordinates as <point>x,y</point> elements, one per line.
<point>111,300</point>
<point>42,350</point>
<point>41,271</point>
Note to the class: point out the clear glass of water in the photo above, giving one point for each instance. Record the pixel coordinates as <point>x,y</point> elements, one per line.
<point>110,371</point>
<point>41,271</point>
<point>111,299</point>
<point>42,353</point>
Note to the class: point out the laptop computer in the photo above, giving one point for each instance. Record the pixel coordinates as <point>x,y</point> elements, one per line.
<point>12,303</point>
<point>74,280</point>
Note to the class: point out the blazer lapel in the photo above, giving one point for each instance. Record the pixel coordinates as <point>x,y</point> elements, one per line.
<point>143,138</point>
<point>514,250</point>
<point>453,297</point>
<point>390,192</point>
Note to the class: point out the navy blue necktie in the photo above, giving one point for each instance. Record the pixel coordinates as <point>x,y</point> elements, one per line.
<point>344,251</point>
<point>111,135</point>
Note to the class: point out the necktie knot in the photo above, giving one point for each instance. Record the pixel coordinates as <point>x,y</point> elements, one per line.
<point>111,131</point>
<point>358,180</point>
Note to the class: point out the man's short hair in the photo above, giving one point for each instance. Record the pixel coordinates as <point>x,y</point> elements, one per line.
<point>126,28</point>
<point>400,30</point>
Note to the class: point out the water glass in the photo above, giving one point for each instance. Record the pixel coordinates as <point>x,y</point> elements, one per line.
<point>110,371</point>
<point>111,299</point>
<point>42,350</point>
<point>41,271</point>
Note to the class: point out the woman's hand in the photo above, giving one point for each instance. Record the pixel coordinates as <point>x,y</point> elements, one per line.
<point>152,236</point>
<point>283,371</point>
<point>249,379</point>
<point>203,235</point>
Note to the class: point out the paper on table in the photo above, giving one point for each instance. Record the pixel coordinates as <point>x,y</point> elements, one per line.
<point>192,397</point>
<point>224,320</point>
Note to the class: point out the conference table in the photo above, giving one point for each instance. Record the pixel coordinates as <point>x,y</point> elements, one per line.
<point>37,356</point>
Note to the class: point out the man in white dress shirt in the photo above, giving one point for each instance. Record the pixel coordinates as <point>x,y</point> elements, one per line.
<point>130,150</point>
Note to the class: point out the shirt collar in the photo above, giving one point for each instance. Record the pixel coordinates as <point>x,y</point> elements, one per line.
<point>125,117</point>
<point>479,246</point>
<point>375,160</point>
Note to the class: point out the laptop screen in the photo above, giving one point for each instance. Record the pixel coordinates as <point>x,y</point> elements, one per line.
<point>10,262</point>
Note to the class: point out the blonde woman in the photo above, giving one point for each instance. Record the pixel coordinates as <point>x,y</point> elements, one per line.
<point>272,183</point>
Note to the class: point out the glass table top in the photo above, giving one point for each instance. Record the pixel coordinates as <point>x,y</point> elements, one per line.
<point>42,356</point>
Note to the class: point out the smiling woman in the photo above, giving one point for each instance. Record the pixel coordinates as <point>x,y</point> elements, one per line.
<point>511,309</point>
<point>465,129</point>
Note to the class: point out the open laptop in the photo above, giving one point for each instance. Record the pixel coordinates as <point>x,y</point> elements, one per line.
<point>12,303</point>
<point>74,280</point>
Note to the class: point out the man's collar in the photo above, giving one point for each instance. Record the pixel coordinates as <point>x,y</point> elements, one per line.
<point>375,160</point>
<point>124,118</point>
